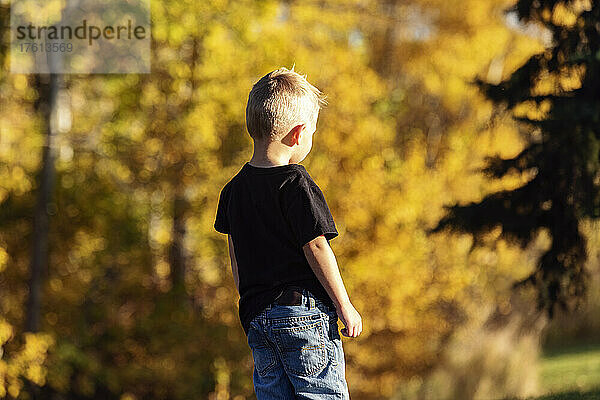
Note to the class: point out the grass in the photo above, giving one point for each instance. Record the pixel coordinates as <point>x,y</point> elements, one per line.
<point>571,373</point>
<point>575,368</point>
<point>571,395</point>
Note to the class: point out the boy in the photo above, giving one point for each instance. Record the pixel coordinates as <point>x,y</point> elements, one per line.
<point>279,226</point>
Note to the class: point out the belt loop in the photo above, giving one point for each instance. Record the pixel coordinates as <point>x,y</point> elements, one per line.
<point>311,303</point>
<point>305,299</point>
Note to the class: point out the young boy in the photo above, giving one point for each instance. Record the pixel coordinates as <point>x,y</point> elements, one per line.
<point>278,226</point>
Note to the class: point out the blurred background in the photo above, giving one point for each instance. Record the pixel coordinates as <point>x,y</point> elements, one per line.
<point>459,154</point>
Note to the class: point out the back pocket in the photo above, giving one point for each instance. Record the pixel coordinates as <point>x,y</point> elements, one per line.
<point>303,347</point>
<point>262,354</point>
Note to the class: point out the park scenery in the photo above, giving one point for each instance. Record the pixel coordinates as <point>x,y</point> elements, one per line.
<point>459,154</point>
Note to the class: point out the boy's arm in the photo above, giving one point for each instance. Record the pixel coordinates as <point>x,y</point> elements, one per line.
<point>234,267</point>
<point>322,261</point>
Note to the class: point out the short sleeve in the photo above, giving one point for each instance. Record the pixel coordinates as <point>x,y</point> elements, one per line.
<point>307,212</point>
<point>221,222</point>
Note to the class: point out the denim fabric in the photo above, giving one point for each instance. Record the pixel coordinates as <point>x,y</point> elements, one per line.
<point>297,352</point>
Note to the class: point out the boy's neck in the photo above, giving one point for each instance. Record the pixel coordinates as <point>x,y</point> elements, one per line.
<point>269,157</point>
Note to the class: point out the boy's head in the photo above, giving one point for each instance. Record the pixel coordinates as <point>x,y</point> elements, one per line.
<point>282,104</point>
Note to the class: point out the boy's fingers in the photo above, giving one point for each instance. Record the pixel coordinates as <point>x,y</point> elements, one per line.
<point>354,331</point>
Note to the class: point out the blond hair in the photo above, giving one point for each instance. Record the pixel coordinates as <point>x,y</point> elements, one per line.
<point>280,100</point>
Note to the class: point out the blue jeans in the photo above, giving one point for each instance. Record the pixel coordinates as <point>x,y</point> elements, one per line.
<point>297,352</point>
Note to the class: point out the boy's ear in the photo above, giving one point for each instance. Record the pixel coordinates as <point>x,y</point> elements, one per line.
<point>295,133</point>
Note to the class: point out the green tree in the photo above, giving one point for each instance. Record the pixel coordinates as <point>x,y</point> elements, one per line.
<point>555,95</point>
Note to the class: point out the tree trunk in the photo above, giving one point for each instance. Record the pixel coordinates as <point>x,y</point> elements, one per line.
<point>177,253</point>
<point>39,260</point>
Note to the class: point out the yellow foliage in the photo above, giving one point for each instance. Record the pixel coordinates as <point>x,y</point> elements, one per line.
<point>3,261</point>
<point>27,363</point>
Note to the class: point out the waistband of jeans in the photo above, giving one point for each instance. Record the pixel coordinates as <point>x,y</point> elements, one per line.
<point>309,300</point>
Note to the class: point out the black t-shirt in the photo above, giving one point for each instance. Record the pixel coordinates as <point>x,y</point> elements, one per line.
<point>270,213</point>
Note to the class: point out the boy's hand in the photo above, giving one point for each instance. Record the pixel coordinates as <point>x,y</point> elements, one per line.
<point>351,319</point>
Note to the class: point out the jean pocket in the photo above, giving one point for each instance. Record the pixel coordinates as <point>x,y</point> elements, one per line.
<point>262,353</point>
<point>303,347</point>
